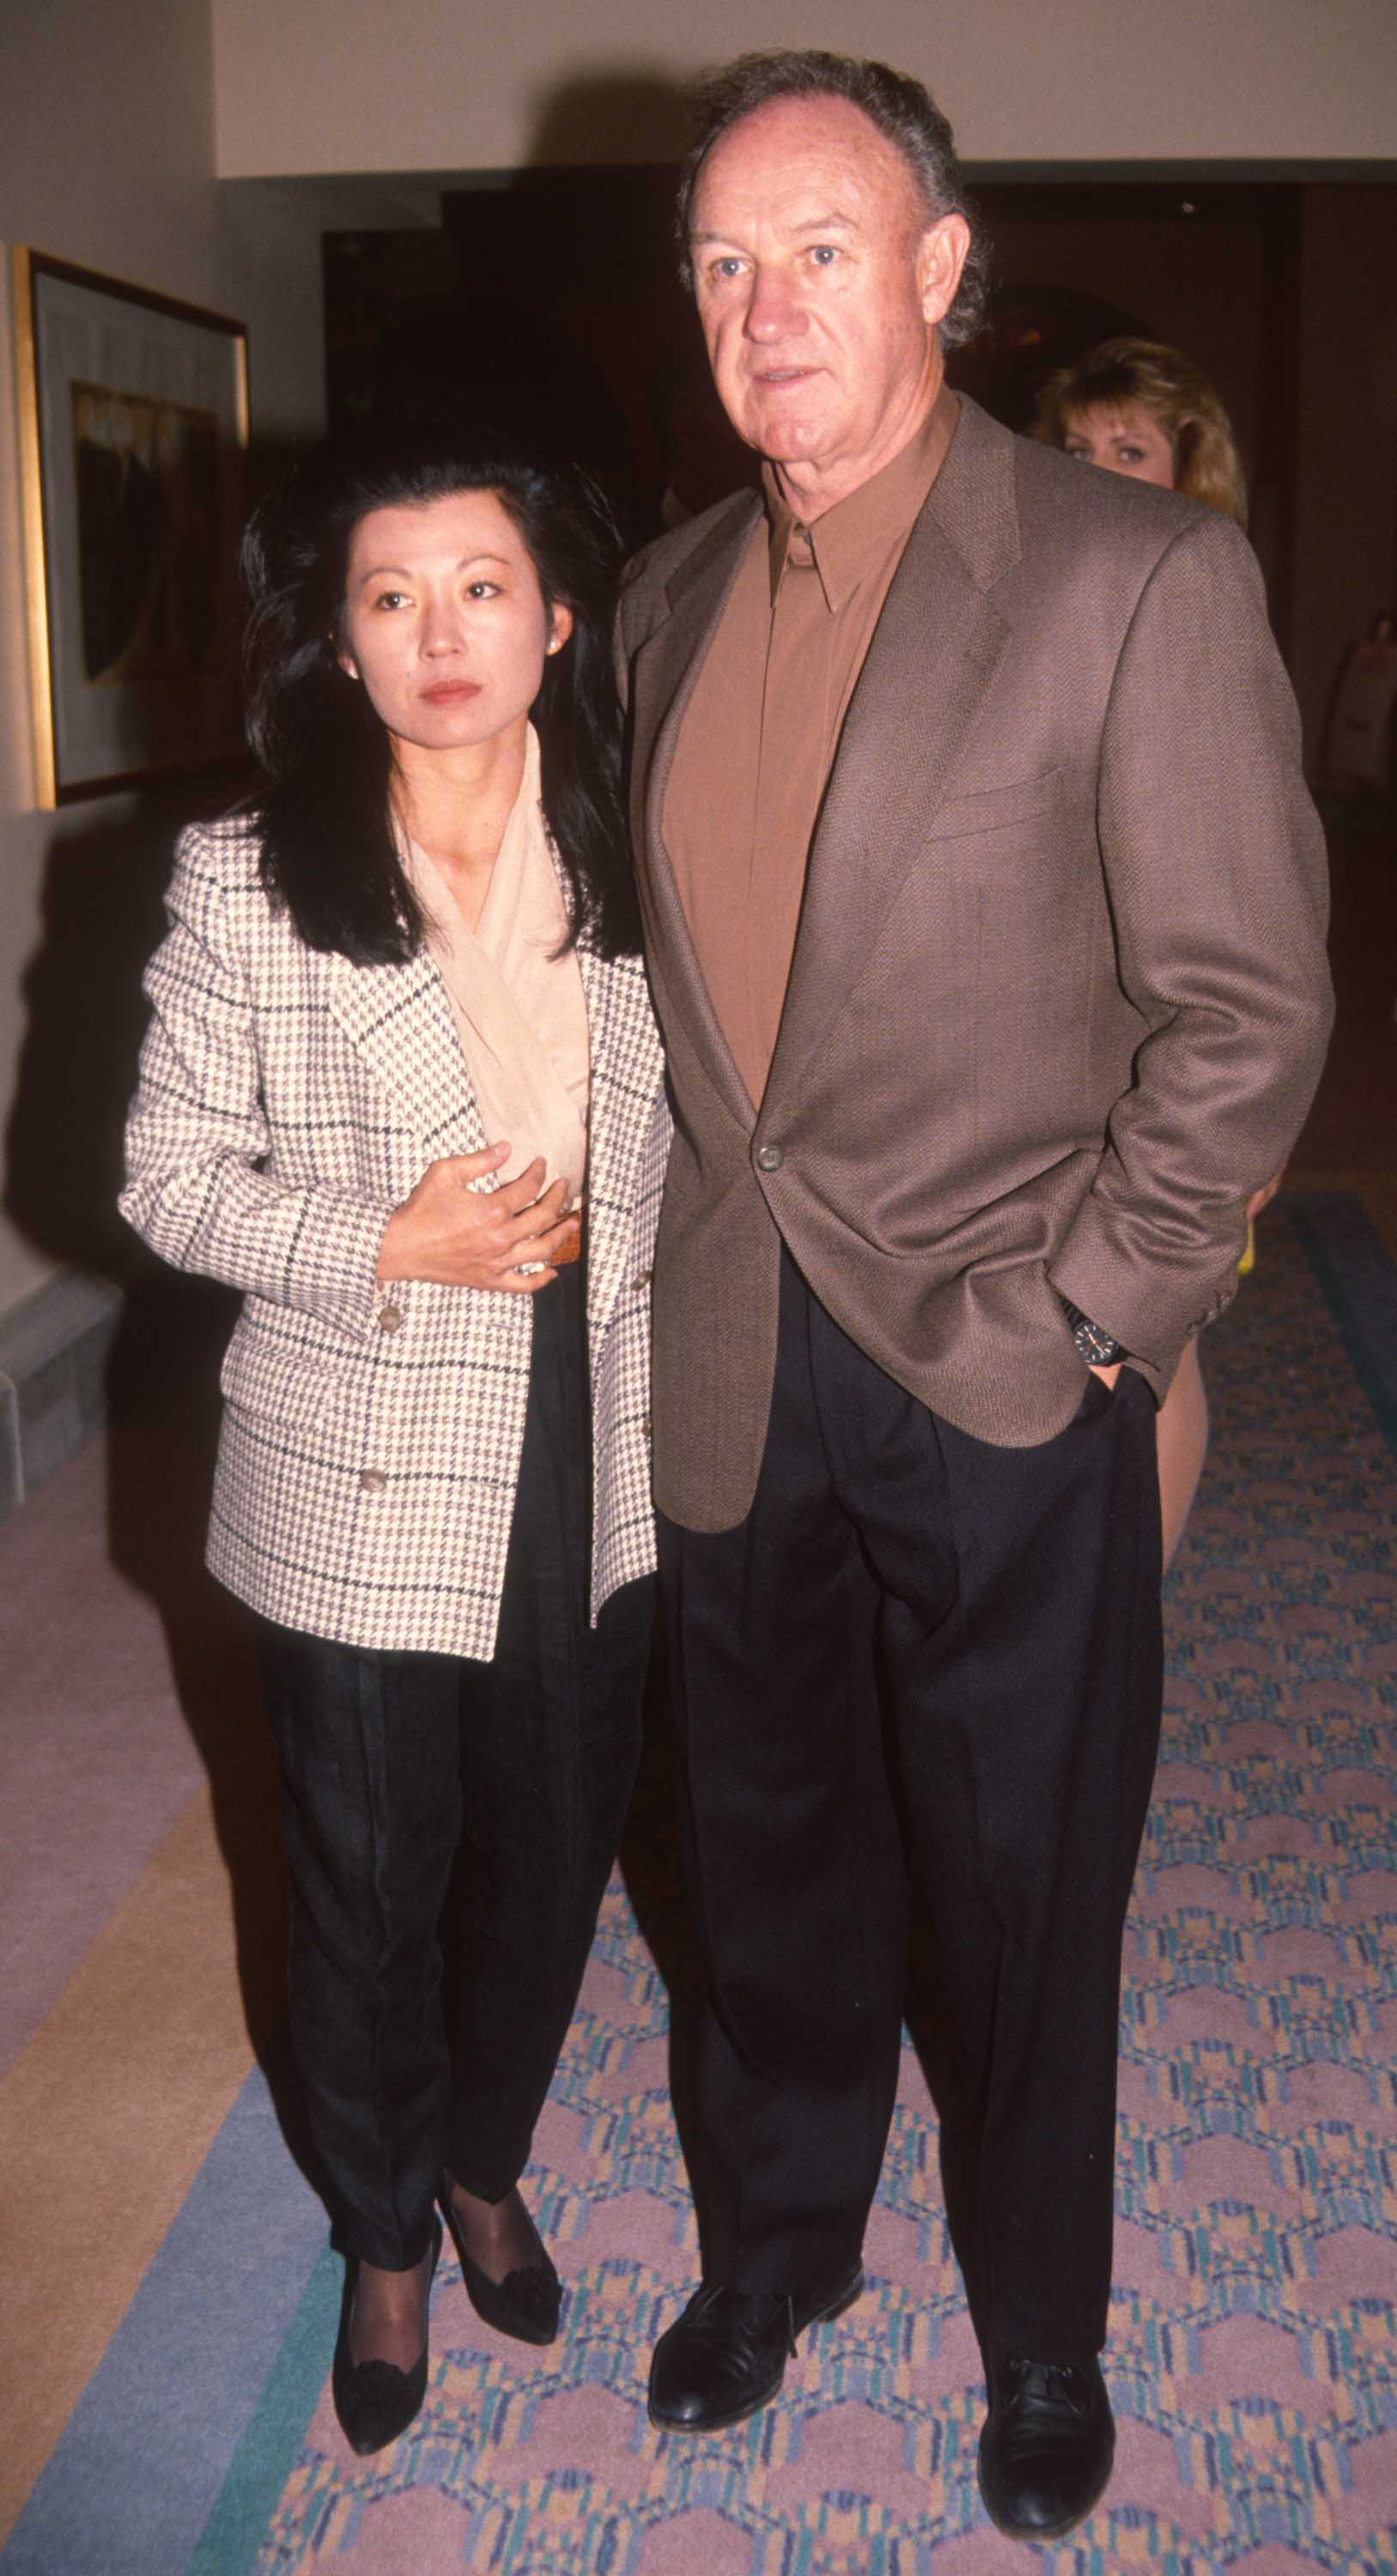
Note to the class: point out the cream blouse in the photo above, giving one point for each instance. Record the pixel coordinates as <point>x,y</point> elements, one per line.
<point>519,1008</point>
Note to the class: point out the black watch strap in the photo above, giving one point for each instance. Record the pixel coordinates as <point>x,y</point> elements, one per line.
<point>1099,1348</point>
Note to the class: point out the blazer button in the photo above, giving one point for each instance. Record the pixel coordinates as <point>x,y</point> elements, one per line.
<point>645,1425</point>
<point>642,1279</point>
<point>389,1318</point>
<point>769,1158</point>
<point>373,1480</point>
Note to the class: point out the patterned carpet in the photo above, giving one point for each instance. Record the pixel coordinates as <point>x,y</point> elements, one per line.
<point>1253,2353</point>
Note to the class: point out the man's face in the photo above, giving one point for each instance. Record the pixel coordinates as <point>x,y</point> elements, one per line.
<point>819,284</point>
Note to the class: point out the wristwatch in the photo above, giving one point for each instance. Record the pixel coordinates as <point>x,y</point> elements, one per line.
<point>1099,1348</point>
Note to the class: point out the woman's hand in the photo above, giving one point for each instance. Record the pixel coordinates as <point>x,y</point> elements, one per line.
<point>464,1238</point>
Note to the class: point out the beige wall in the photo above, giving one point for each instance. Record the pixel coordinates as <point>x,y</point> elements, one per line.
<point>457,84</point>
<point>108,160</point>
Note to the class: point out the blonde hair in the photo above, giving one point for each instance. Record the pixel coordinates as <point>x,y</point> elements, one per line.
<point>1160,381</point>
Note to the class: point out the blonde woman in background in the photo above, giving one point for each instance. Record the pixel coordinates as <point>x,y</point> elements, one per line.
<point>1138,408</point>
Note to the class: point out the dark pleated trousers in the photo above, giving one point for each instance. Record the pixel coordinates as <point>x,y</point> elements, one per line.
<point>387,1761</point>
<point>918,1647</point>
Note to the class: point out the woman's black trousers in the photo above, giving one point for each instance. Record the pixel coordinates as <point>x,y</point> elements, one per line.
<point>390,1760</point>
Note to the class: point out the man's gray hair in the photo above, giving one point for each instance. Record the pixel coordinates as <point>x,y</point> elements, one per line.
<point>901,109</point>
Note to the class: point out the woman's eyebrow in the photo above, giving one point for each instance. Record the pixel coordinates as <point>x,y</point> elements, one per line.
<point>379,572</point>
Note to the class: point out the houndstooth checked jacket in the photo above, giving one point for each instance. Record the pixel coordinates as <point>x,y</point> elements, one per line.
<point>288,1102</point>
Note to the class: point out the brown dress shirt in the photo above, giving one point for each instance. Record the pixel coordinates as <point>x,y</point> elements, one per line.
<point>760,731</point>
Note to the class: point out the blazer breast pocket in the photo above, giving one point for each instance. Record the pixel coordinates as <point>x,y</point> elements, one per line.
<point>1038,810</point>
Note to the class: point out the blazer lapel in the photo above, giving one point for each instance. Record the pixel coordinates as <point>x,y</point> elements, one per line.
<point>627,1062</point>
<point>662,684</point>
<point>399,1020</point>
<point>934,652</point>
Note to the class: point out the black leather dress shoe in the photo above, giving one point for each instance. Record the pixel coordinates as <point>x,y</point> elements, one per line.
<point>374,2400</point>
<point>1047,2446</point>
<point>726,2357</point>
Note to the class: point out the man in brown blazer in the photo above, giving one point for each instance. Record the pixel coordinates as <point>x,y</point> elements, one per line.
<point>985,916</point>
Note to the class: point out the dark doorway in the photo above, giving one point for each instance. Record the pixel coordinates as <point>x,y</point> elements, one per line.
<point>1214,269</point>
<point>549,301</point>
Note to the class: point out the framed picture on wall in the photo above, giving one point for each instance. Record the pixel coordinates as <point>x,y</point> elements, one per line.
<point>133,438</point>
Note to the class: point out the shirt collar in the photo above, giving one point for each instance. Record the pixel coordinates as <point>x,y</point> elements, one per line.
<point>859,530</point>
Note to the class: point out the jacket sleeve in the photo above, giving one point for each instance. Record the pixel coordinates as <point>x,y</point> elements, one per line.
<point>198,1130</point>
<point>1215,872</point>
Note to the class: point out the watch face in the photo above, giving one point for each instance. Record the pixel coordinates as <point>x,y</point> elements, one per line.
<point>1099,1348</point>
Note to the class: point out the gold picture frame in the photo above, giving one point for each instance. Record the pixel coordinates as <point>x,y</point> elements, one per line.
<point>133,428</point>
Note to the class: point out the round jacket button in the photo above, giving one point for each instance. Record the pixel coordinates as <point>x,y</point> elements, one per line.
<point>389,1318</point>
<point>769,1158</point>
<point>373,1480</point>
<point>641,1280</point>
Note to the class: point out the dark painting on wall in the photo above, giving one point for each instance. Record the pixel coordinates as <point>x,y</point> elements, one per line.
<point>133,426</point>
<point>147,500</point>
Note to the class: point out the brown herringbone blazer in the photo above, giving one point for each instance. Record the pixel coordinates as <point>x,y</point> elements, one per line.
<point>1059,997</point>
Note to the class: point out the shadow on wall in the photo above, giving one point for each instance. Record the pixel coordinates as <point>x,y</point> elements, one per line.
<point>103,914</point>
<point>640,114</point>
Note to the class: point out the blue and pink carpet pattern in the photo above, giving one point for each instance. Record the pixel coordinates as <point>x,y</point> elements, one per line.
<point>1253,2352</point>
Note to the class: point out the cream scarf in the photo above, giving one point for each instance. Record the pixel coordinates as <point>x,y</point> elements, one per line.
<point>519,1009</point>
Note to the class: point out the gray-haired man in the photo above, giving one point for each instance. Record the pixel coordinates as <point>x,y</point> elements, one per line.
<point>985,915</point>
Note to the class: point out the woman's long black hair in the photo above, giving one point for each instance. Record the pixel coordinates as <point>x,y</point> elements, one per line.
<point>323,805</point>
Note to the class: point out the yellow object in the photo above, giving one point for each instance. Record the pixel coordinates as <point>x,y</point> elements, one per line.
<point>1248,1260</point>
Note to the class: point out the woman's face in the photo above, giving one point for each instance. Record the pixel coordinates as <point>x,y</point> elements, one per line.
<point>444,621</point>
<point>1125,441</point>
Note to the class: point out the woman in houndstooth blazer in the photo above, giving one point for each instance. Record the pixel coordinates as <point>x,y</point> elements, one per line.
<point>399,1007</point>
